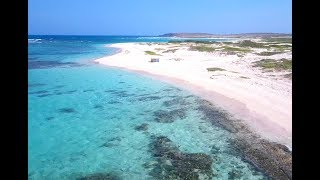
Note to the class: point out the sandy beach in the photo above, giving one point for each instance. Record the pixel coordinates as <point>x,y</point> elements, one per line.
<point>261,98</point>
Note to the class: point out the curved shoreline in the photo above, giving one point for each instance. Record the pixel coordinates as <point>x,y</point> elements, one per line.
<point>265,151</point>
<point>259,123</point>
<point>272,158</point>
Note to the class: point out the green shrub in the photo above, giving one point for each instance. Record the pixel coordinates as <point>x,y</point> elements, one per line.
<point>279,40</point>
<point>215,69</point>
<point>282,64</point>
<point>193,41</point>
<point>268,53</point>
<point>234,49</point>
<point>170,50</point>
<point>151,53</point>
<point>248,43</point>
<point>244,77</point>
<point>202,48</point>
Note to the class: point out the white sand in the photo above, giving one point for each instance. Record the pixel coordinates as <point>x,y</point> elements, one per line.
<point>262,100</point>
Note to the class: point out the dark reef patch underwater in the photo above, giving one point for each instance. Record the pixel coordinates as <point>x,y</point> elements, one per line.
<point>100,176</point>
<point>174,164</point>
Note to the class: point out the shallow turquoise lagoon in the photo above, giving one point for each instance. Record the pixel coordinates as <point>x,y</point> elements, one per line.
<point>86,120</point>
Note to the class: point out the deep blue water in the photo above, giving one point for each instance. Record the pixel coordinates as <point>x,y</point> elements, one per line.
<point>89,120</point>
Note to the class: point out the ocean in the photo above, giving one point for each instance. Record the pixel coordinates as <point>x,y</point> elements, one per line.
<point>88,121</point>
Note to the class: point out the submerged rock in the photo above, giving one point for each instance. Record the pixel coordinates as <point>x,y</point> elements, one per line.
<point>174,164</point>
<point>112,142</point>
<point>36,84</point>
<point>149,98</point>
<point>70,92</point>
<point>100,176</point>
<point>169,89</point>
<point>163,116</point>
<point>114,102</point>
<point>235,174</point>
<point>176,101</point>
<point>67,110</point>
<point>88,90</point>
<point>273,159</point>
<point>58,86</point>
<point>39,92</point>
<point>216,117</point>
<point>49,118</point>
<point>142,127</point>
<point>44,95</point>
<point>98,106</point>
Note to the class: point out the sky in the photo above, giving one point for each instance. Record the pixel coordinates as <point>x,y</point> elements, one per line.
<point>156,17</point>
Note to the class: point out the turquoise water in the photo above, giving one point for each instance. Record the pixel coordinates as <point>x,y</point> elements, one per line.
<point>85,119</point>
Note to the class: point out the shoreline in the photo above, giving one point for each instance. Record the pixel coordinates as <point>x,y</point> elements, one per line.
<point>258,122</point>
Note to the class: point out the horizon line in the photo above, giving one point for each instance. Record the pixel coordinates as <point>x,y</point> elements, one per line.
<point>158,35</point>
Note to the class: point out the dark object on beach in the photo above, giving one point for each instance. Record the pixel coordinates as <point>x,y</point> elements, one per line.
<point>100,176</point>
<point>67,110</point>
<point>142,127</point>
<point>154,60</point>
<point>174,164</point>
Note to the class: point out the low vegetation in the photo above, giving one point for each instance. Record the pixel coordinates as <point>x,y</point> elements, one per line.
<point>248,43</point>
<point>227,42</point>
<point>234,49</point>
<point>212,69</point>
<point>289,76</point>
<point>268,53</point>
<point>244,77</point>
<point>151,53</point>
<point>279,40</point>
<point>272,64</point>
<point>193,41</point>
<point>170,51</point>
<point>280,46</point>
<point>202,48</point>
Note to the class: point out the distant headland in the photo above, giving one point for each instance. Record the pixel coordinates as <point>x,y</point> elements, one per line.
<point>208,35</point>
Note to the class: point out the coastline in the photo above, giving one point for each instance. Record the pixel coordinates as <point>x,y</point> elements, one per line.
<point>258,112</point>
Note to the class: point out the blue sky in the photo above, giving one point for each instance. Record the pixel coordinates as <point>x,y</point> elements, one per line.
<point>155,17</point>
